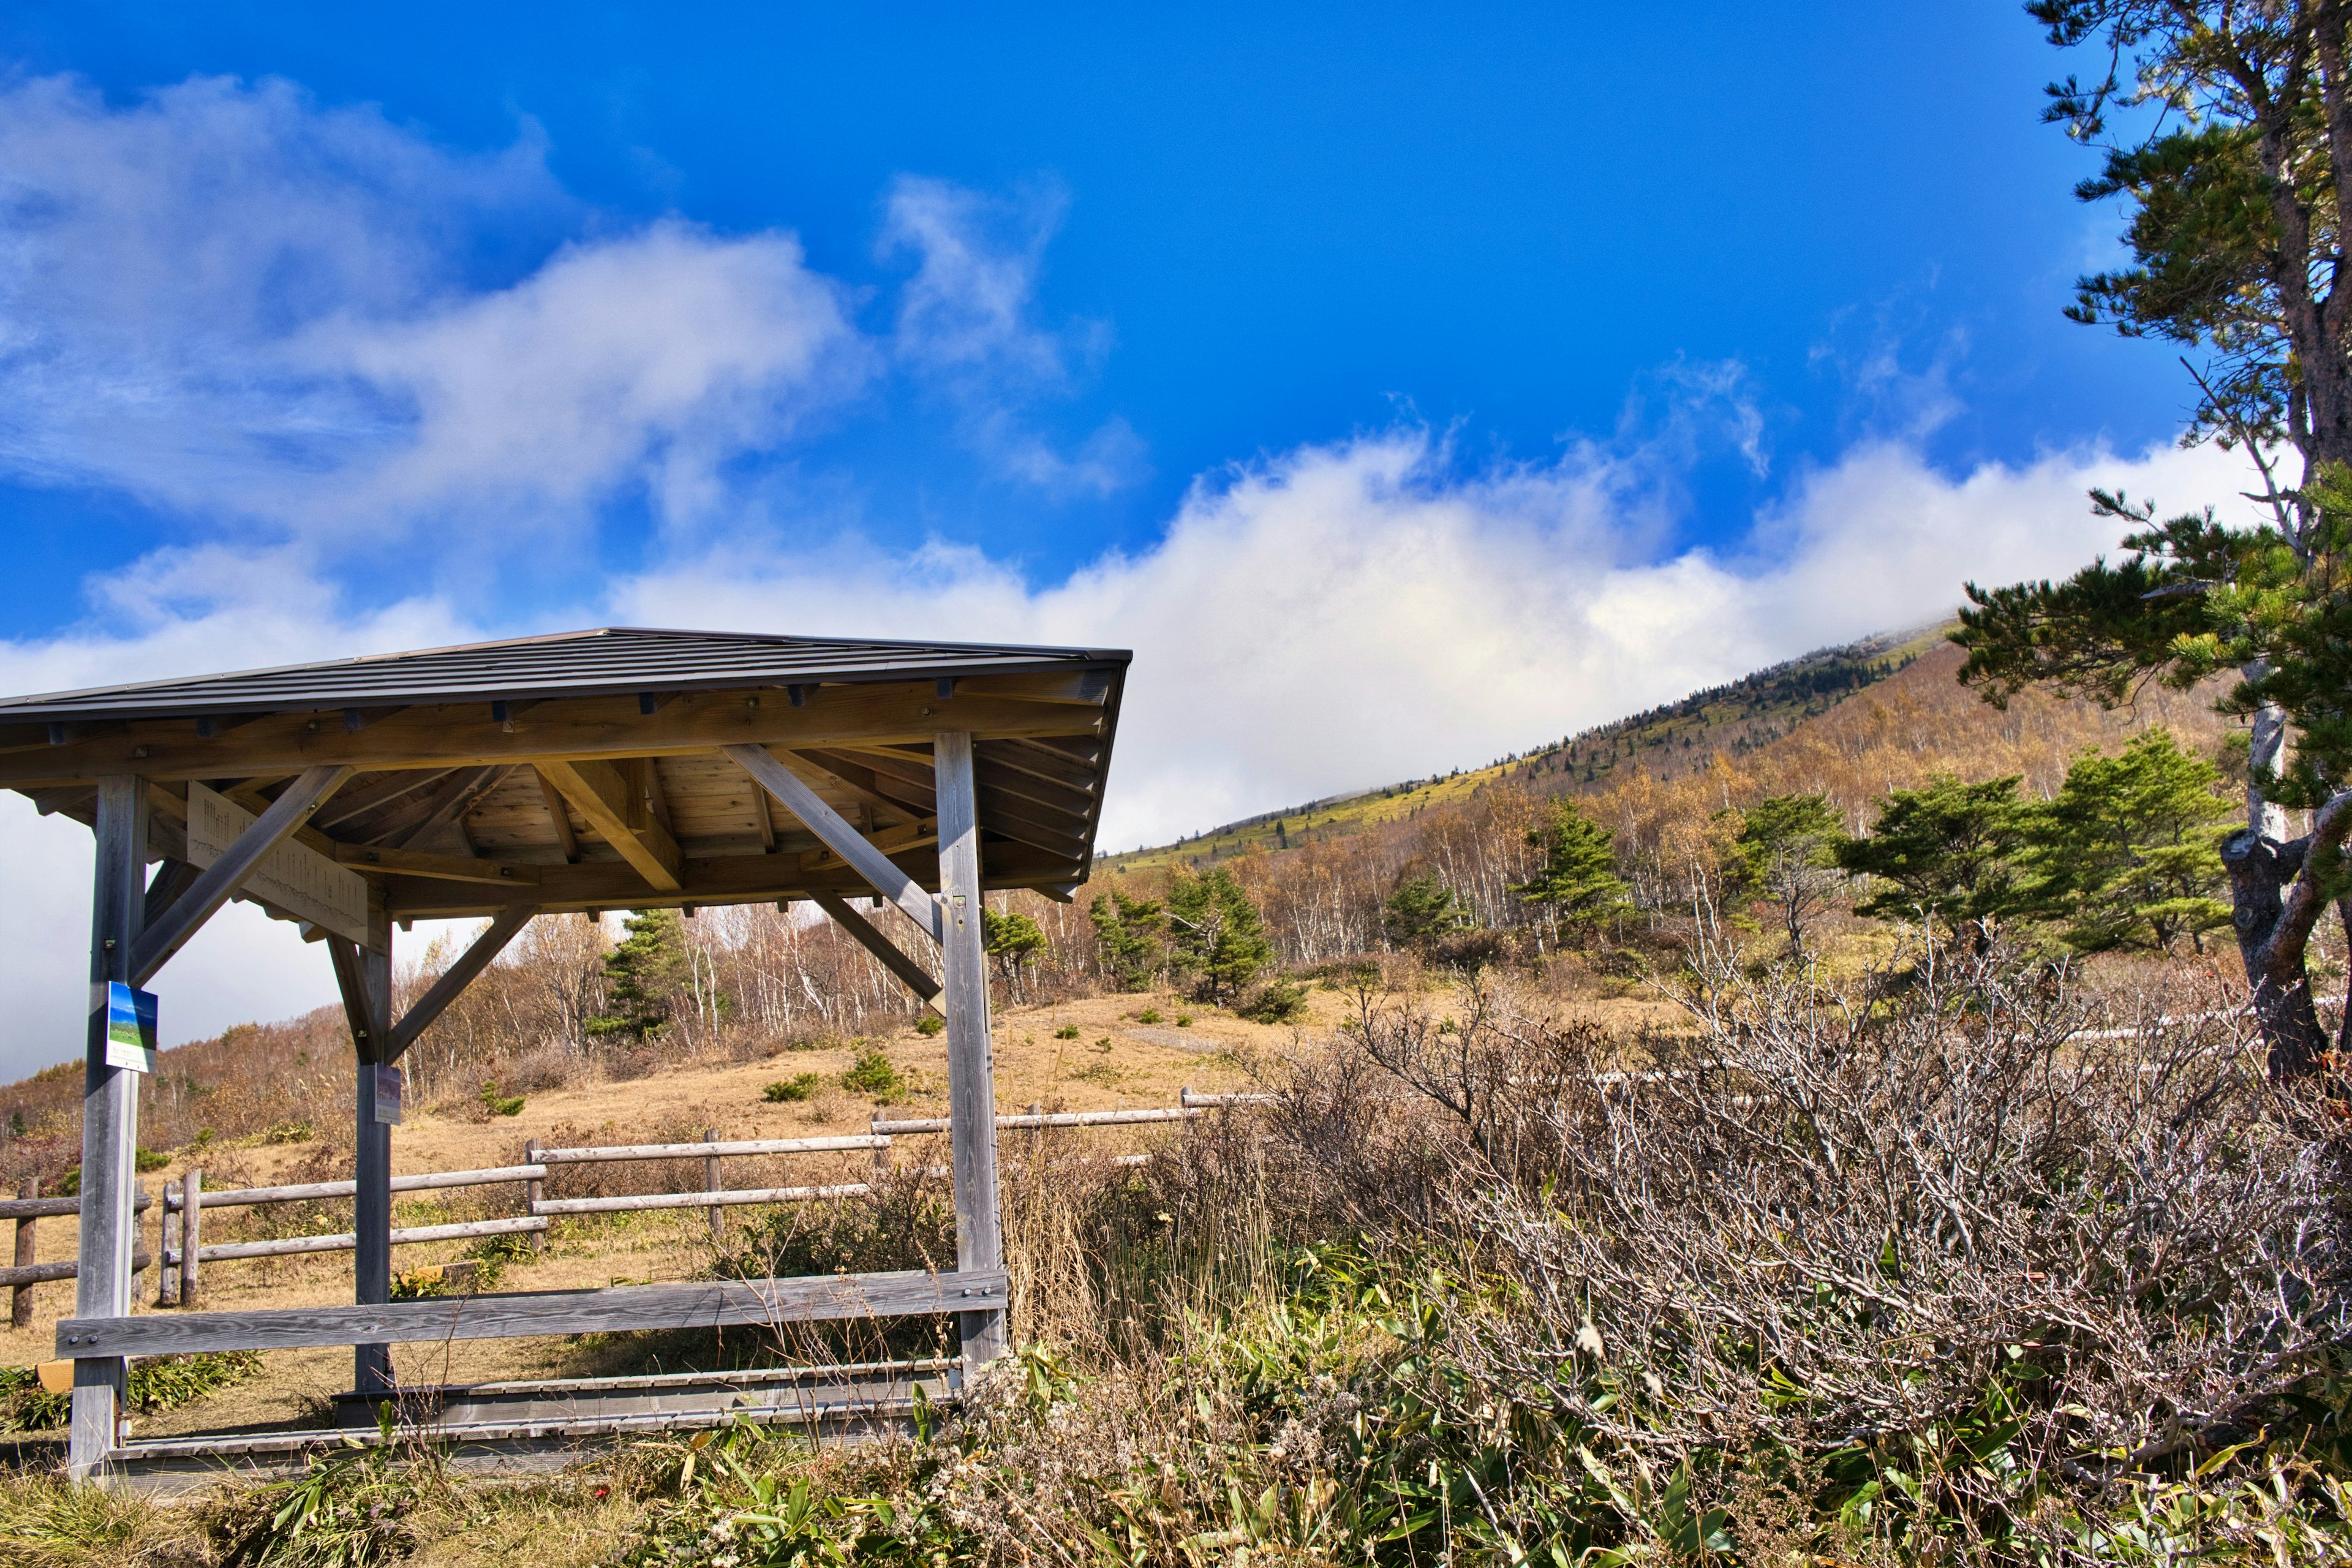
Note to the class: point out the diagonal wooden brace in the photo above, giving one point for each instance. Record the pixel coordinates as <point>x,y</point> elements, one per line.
<point>188,913</point>
<point>457,977</point>
<point>892,959</point>
<point>838,836</point>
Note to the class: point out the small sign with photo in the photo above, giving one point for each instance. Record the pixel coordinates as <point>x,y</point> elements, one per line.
<point>129,1024</point>
<point>387,1094</point>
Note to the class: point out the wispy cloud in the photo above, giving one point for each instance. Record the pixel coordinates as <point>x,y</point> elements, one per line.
<point>251,311</point>
<point>966,323</point>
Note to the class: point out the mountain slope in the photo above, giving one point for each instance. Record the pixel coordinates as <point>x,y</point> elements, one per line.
<point>1666,741</point>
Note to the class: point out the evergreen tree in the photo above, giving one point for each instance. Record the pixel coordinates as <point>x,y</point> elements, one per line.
<point>1013,940</point>
<point>1578,880</point>
<point>1127,935</point>
<point>1787,852</point>
<point>643,976</point>
<point>1949,850</point>
<point>1421,909</point>
<point>1215,932</point>
<point>2129,855</point>
<point>2219,126</point>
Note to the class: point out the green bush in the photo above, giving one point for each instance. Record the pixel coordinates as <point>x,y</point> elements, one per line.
<point>497,1104</point>
<point>1276,1002</point>
<point>930,1024</point>
<point>1148,1015</point>
<point>149,1160</point>
<point>800,1085</point>
<point>1183,1020</point>
<point>157,1383</point>
<point>1066,1032</point>
<point>872,1074</point>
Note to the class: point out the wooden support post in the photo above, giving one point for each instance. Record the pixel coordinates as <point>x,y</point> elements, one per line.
<point>534,1191</point>
<point>881,1146</point>
<point>20,1299</point>
<point>166,1244</point>
<point>972,1087</point>
<point>192,1235</point>
<point>110,1122</point>
<point>364,975</point>
<point>711,1184</point>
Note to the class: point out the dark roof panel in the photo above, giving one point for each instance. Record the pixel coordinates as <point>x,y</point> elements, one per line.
<point>607,661</point>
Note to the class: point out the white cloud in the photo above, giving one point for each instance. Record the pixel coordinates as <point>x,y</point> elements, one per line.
<point>244,308</point>
<point>1353,614</point>
<point>965,326</point>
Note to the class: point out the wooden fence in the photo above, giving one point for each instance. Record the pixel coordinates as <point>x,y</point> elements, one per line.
<point>183,1251</point>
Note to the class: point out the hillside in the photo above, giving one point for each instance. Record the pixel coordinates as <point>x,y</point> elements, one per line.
<point>1666,741</point>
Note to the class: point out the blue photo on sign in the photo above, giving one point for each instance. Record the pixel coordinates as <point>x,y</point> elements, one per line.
<point>130,1027</point>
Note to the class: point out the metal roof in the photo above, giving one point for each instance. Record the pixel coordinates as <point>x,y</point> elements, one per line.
<point>606,662</point>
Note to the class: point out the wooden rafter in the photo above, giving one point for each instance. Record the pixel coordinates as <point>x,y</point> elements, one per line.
<point>560,815</point>
<point>599,791</point>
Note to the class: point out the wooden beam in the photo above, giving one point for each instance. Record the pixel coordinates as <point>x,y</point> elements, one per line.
<point>377,794</point>
<point>764,819</point>
<point>173,878</point>
<point>560,814</point>
<point>599,792</point>
<point>890,841</point>
<point>703,1304</point>
<point>365,978</point>
<point>221,879</point>
<point>972,1076</point>
<point>840,770</point>
<point>453,867</point>
<point>716,881</point>
<point>894,958</point>
<point>110,1122</point>
<point>458,976</point>
<point>875,865</point>
<point>461,734</point>
<point>449,803</point>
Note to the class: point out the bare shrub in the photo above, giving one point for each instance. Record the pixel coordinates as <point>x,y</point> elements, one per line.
<point>1957,1201</point>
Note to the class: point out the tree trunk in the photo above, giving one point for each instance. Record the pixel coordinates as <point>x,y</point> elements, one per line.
<point>2259,869</point>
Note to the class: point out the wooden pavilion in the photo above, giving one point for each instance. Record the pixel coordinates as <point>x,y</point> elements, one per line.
<point>589,771</point>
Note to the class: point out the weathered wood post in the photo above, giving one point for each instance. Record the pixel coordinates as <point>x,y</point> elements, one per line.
<point>364,975</point>
<point>532,1191</point>
<point>20,1299</point>
<point>166,1244</point>
<point>110,1121</point>
<point>711,1184</point>
<point>972,1087</point>
<point>191,1226</point>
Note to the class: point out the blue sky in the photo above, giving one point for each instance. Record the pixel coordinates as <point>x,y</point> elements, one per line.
<point>1405,385</point>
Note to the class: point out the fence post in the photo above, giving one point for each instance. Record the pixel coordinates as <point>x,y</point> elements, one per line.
<point>164,1234</point>
<point>192,1220</point>
<point>20,1299</point>
<point>532,1191</point>
<point>711,1184</point>
<point>881,1151</point>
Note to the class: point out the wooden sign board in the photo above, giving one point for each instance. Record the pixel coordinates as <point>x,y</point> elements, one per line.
<point>293,876</point>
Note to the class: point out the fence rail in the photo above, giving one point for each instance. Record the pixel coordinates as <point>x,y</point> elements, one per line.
<point>183,1250</point>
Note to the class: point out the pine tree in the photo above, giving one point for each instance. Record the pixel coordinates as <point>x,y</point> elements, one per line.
<point>1215,931</point>
<point>1013,940</point>
<point>1421,907</point>
<point>1579,876</point>
<point>1127,933</point>
<point>645,974</point>
<point>1787,852</point>
<point>2129,853</point>
<point>1949,850</point>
